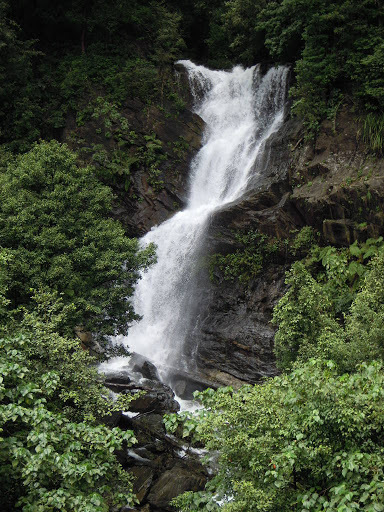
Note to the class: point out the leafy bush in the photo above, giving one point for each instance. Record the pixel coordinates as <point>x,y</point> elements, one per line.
<point>336,48</point>
<point>19,92</point>
<point>333,307</point>
<point>373,128</point>
<point>49,462</point>
<point>304,312</point>
<point>307,441</point>
<point>254,250</point>
<point>123,50</point>
<point>54,226</point>
<point>80,392</point>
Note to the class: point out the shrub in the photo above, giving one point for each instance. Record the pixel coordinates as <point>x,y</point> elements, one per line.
<point>333,307</point>
<point>49,462</point>
<point>307,441</point>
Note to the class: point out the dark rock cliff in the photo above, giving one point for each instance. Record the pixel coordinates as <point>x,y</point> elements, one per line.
<point>234,335</point>
<point>333,185</point>
<point>145,200</point>
<point>157,205</point>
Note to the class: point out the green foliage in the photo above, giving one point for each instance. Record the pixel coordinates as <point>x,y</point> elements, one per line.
<point>151,156</point>
<point>337,48</point>
<point>180,147</point>
<point>255,251</point>
<point>168,42</point>
<point>364,324</point>
<point>97,85</point>
<point>80,76</point>
<point>79,392</point>
<point>319,314</point>
<point>246,38</point>
<point>49,462</point>
<point>54,226</point>
<point>247,261</point>
<point>307,441</point>
<point>18,90</point>
<point>133,152</point>
<point>123,50</point>
<point>113,166</point>
<point>304,240</point>
<point>302,315</point>
<point>373,128</point>
<point>242,265</point>
<point>127,151</point>
<point>4,302</point>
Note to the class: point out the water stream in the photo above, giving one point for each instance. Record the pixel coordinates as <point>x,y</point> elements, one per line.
<point>241,109</point>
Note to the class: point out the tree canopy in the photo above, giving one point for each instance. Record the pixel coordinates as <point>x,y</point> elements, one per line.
<point>54,452</point>
<point>311,439</point>
<point>55,234</point>
<point>307,441</point>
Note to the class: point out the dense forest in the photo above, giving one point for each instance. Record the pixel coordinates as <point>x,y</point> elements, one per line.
<point>309,439</point>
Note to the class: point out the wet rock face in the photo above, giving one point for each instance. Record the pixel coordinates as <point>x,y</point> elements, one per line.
<point>161,465</point>
<point>146,199</point>
<point>234,336</point>
<point>337,186</point>
<point>235,340</point>
<point>184,86</point>
<point>146,205</point>
<point>333,186</point>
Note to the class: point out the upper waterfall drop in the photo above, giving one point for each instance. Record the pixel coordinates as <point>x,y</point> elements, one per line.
<point>241,109</point>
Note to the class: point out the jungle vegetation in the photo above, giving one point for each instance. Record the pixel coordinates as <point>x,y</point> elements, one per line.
<point>310,439</point>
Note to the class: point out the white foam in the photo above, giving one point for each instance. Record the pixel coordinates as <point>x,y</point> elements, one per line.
<point>241,109</point>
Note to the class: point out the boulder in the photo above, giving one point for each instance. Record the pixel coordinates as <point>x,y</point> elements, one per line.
<point>174,482</point>
<point>143,477</point>
<point>184,383</point>
<point>117,380</point>
<point>140,377</point>
<point>113,419</point>
<point>157,398</point>
<point>139,364</point>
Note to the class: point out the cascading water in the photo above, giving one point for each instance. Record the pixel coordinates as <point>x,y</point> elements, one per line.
<point>241,109</point>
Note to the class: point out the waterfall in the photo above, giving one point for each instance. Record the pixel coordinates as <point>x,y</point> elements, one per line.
<point>241,109</point>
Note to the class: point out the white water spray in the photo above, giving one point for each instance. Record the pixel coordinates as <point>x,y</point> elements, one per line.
<point>241,109</point>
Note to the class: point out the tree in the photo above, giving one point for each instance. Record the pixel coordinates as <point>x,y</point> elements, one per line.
<point>336,48</point>
<point>19,91</point>
<point>55,229</point>
<point>302,314</point>
<point>307,441</point>
<point>50,461</point>
<point>333,310</point>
